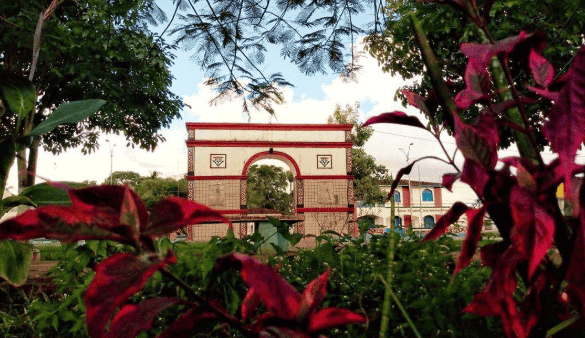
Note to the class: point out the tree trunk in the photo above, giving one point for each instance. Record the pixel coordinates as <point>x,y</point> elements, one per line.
<point>21,165</point>
<point>33,155</point>
<point>7,152</point>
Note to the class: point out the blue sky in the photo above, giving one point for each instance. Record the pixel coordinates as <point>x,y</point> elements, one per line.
<point>311,100</point>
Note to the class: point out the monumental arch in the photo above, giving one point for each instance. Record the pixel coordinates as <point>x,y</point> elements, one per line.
<point>318,155</point>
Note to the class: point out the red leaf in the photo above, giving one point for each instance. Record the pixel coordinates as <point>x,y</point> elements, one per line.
<point>491,253</point>
<point>482,54</point>
<point>542,71</point>
<point>475,176</point>
<point>133,212</point>
<point>396,117</point>
<point>446,220</point>
<point>330,317</point>
<point>533,230</point>
<point>313,295</point>
<point>553,96</point>
<point>474,225</point>
<point>281,332</point>
<point>500,107</point>
<point>182,327</point>
<point>66,224</point>
<point>174,213</point>
<point>276,293</point>
<point>575,277</point>
<point>417,101</point>
<point>565,128</point>
<point>497,299</point>
<point>131,319</point>
<point>467,98</point>
<point>479,142</point>
<point>449,179</point>
<point>117,278</point>
<point>403,171</point>
<point>250,304</point>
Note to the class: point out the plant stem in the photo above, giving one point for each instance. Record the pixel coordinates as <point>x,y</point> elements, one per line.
<point>551,332</point>
<point>390,275</point>
<point>7,156</point>
<point>402,309</point>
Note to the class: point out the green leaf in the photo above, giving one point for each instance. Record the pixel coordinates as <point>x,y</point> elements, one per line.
<point>44,193</point>
<point>15,261</point>
<point>19,95</point>
<point>13,201</point>
<point>70,112</point>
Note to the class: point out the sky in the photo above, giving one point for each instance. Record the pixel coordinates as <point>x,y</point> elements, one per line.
<point>312,100</point>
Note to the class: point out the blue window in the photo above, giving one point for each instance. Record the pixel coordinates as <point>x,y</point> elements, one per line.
<point>398,222</point>
<point>396,196</point>
<point>429,222</point>
<point>427,195</point>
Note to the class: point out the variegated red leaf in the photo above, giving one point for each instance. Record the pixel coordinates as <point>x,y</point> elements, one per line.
<point>131,319</point>
<point>277,294</point>
<point>533,230</point>
<point>182,327</point>
<point>116,279</point>
<point>416,100</point>
<point>331,317</point>
<point>250,304</point>
<point>542,71</point>
<point>474,227</point>
<point>173,213</point>
<point>313,295</point>
<point>479,142</point>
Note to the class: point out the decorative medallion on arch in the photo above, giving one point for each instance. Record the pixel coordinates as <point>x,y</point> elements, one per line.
<point>323,193</point>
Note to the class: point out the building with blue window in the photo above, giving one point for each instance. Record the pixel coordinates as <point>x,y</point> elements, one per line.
<point>418,205</point>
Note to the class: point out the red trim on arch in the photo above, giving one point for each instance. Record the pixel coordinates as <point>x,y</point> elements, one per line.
<point>232,211</point>
<point>221,177</point>
<point>274,154</point>
<point>325,177</point>
<point>268,144</point>
<point>265,126</point>
<point>324,209</point>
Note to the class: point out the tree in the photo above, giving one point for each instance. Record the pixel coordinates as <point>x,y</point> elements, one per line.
<point>561,22</point>
<point>91,49</point>
<point>367,174</point>
<point>267,188</point>
<point>150,188</point>
<point>229,40</point>
<point>123,177</point>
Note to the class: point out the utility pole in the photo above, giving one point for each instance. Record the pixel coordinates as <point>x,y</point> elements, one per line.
<point>407,154</point>
<point>112,146</point>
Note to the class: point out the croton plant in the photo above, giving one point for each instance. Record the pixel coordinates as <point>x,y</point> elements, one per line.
<point>528,282</point>
<point>116,213</point>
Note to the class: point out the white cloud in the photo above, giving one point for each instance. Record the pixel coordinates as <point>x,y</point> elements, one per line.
<point>373,85</point>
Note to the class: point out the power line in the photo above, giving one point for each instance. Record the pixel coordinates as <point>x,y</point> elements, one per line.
<point>453,143</point>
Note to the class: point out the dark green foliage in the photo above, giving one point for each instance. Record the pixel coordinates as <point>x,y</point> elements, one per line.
<point>93,50</point>
<point>561,22</point>
<point>267,188</point>
<point>368,176</point>
<point>422,281</point>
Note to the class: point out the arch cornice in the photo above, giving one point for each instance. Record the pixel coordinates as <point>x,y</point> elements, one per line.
<point>274,154</point>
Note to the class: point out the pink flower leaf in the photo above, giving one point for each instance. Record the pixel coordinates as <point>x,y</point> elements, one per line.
<point>480,141</point>
<point>313,296</point>
<point>417,101</point>
<point>182,327</point>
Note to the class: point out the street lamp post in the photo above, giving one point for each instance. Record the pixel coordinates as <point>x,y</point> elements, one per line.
<point>407,154</point>
<point>112,146</point>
